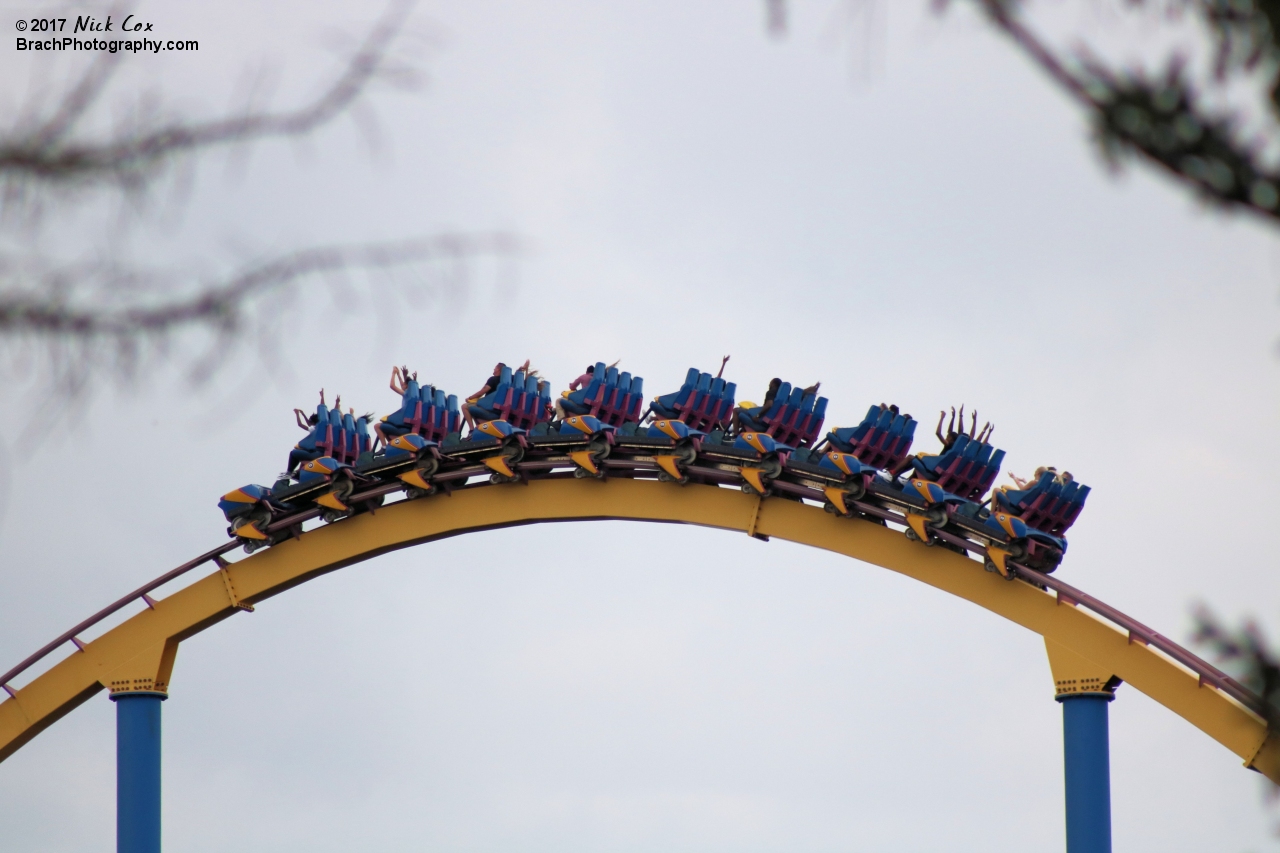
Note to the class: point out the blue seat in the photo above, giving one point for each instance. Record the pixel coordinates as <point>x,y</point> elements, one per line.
<point>531,408</point>
<point>702,393</point>
<point>868,423</point>
<point>403,417</point>
<point>702,402</point>
<point>614,406</point>
<point>671,405</point>
<point>490,406</point>
<point>364,442</point>
<point>819,415</point>
<point>779,402</point>
<point>635,399</point>
<point>312,439</point>
<point>580,402</point>
<point>350,441</point>
<point>1021,497</point>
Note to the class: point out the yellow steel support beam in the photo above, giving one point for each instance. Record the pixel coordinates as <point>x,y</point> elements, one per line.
<point>139,653</point>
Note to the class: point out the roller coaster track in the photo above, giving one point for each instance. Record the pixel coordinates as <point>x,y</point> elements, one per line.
<point>1085,637</point>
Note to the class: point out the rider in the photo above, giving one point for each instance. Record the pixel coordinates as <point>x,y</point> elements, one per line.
<point>951,436</point>
<point>756,411</point>
<point>581,382</point>
<point>471,410</point>
<point>1061,479</point>
<point>396,423</point>
<point>306,450</point>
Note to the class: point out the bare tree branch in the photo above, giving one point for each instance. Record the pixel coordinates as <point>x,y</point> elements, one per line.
<point>40,311</point>
<point>42,154</point>
<point>79,318</point>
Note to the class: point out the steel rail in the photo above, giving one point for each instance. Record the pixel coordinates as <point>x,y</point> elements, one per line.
<point>139,593</point>
<point>1206,672</point>
<point>72,635</point>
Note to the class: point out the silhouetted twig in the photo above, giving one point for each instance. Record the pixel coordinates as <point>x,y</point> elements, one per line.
<point>40,311</point>
<point>46,153</point>
<point>1166,118</point>
<point>80,318</point>
<point>1246,651</point>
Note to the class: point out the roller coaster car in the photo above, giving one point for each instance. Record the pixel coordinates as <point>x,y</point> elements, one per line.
<point>757,456</point>
<point>581,439</point>
<point>795,418</point>
<point>841,476</point>
<point>428,412</point>
<point>703,402</point>
<point>324,482</point>
<point>248,512</point>
<point>611,397</point>
<point>939,484</point>
<point>1048,506</point>
<point>1009,537</point>
<point>496,444</point>
<point>519,400</point>
<point>672,445</point>
<point>881,441</point>
<point>409,458</point>
<point>1025,526</point>
<point>967,468</point>
<point>341,437</point>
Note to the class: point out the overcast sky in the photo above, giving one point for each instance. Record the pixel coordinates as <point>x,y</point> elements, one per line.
<point>896,205</point>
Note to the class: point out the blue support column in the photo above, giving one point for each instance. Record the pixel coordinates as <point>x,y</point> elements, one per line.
<point>1088,770</point>
<point>138,772</point>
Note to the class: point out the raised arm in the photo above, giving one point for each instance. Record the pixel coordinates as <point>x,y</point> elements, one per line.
<point>301,417</point>
<point>397,381</point>
<point>723,362</point>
